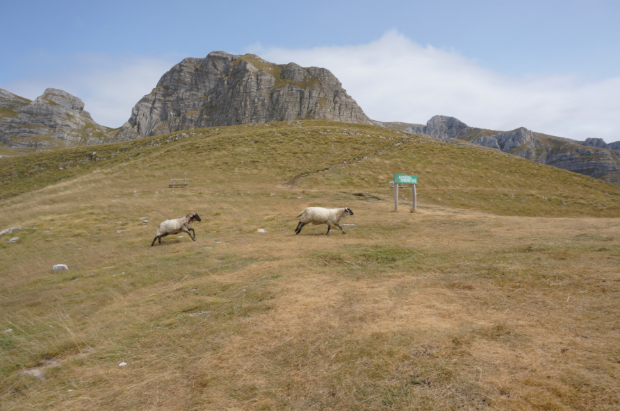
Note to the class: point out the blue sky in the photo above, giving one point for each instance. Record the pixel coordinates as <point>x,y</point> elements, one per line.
<point>551,66</point>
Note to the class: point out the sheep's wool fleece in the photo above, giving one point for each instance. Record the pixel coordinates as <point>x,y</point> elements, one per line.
<point>320,215</point>
<point>172,226</point>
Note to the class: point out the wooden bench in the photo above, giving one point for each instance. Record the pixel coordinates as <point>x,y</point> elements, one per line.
<point>176,183</point>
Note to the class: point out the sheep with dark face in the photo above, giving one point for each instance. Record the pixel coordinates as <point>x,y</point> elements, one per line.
<point>320,215</point>
<point>176,226</point>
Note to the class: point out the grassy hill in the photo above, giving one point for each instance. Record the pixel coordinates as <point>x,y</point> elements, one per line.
<point>501,292</point>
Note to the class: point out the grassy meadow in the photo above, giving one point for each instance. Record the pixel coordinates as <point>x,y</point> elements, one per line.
<point>501,292</point>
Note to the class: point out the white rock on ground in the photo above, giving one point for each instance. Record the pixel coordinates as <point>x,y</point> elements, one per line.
<point>261,230</point>
<point>9,230</point>
<point>13,240</point>
<point>35,372</point>
<point>60,267</point>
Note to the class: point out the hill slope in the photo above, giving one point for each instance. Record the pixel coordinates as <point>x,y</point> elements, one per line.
<point>347,156</point>
<point>469,303</point>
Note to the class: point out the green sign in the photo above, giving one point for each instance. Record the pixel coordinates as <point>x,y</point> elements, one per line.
<point>405,179</point>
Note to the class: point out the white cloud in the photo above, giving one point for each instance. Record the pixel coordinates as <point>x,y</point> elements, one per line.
<point>109,85</point>
<point>395,79</point>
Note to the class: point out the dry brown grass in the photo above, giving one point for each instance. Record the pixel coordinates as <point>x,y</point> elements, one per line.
<point>447,308</point>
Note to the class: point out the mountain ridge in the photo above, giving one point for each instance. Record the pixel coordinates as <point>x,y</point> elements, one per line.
<point>592,157</point>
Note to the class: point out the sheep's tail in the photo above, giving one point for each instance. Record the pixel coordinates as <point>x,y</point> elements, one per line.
<point>300,214</point>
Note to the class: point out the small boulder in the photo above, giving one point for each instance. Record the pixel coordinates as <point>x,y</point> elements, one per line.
<point>60,267</point>
<point>13,240</point>
<point>261,230</point>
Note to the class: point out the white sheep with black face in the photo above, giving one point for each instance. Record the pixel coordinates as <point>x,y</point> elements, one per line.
<point>176,226</point>
<point>320,215</point>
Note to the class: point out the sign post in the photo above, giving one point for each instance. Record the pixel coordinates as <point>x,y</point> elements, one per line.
<point>404,179</point>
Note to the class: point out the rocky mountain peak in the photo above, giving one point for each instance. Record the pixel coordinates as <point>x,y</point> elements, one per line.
<point>62,98</point>
<point>441,127</point>
<point>518,138</point>
<point>595,142</point>
<point>225,89</point>
<point>54,119</point>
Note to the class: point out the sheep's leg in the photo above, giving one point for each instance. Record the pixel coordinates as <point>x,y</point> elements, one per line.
<point>299,227</point>
<point>329,227</point>
<point>189,234</point>
<point>155,239</point>
<point>194,232</point>
<point>340,228</point>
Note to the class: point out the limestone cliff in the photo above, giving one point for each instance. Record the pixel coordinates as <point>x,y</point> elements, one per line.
<point>55,119</point>
<point>224,89</point>
<point>591,157</point>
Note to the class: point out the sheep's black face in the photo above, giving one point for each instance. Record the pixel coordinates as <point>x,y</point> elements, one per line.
<point>196,217</point>
<point>348,211</point>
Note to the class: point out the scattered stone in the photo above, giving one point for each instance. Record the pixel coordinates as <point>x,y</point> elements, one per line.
<point>119,231</point>
<point>122,364</point>
<point>35,372</point>
<point>13,240</point>
<point>198,313</point>
<point>9,230</point>
<point>261,230</point>
<point>8,330</point>
<point>60,267</point>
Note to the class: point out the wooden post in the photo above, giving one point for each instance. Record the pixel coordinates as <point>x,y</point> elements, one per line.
<point>395,196</point>
<point>414,196</point>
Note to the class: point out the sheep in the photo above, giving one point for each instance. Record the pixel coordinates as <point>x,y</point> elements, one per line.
<point>176,226</point>
<point>320,215</point>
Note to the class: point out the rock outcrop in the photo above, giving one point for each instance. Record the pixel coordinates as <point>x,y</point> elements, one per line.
<point>441,127</point>
<point>224,89</point>
<point>521,139</point>
<point>55,119</point>
<point>592,157</point>
<point>600,143</point>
